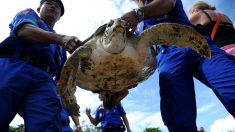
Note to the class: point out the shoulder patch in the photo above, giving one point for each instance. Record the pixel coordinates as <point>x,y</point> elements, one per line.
<point>25,11</point>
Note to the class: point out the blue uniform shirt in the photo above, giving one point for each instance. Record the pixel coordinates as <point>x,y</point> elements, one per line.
<point>52,54</point>
<point>111,116</point>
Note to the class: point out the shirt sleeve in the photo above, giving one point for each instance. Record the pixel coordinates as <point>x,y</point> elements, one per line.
<point>100,114</point>
<point>27,16</point>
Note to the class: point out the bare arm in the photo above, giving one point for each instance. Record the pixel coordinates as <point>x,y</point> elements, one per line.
<point>125,120</point>
<point>34,35</point>
<point>156,8</point>
<point>196,18</point>
<point>92,120</point>
<point>77,123</point>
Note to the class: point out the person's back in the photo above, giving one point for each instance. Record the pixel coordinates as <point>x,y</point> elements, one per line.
<point>223,35</point>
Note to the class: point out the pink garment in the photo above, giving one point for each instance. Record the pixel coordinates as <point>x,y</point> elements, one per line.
<point>229,49</point>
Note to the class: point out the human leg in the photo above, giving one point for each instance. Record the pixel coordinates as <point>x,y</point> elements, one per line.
<point>178,105</point>
<point>64,118</point>
<point>41,109</point>
<point>218,73</point>
<point>13,88</point>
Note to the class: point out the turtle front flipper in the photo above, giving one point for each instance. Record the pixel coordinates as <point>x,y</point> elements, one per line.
<point>67,83</point>
<point>112,99</point>
<point>172,34</point>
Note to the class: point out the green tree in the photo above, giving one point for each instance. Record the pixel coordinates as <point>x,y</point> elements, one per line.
<point>90,128</point>
<point>19,128</point>
<point>152,130</point>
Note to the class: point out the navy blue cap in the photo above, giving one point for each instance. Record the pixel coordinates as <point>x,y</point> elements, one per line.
<point>59,2</point>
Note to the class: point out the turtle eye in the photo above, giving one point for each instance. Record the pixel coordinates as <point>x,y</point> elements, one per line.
<point>110,23</point>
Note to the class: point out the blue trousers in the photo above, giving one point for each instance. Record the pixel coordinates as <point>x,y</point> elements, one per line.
<point>67,129</point>
<point>177,67</point>
<point>64,117</point>
<point>31,90</point>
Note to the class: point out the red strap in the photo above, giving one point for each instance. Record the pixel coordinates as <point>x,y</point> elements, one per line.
<point>219,16</point>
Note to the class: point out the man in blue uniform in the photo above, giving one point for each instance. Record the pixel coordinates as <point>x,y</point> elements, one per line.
<point>111,120</point>
<point>30,58</point>
<point>178,66</point>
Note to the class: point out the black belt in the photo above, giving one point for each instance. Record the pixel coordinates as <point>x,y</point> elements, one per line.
<point>30,59</point>
<point>119,127</point>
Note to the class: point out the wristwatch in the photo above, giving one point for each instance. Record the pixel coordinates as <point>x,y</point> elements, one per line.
<point>139,13</point>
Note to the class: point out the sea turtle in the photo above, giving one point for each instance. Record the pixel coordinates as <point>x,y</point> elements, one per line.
<point>110,62</point>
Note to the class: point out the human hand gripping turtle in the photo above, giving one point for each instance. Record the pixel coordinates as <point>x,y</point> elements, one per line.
<point>69,43</point>
<point>110,62</point>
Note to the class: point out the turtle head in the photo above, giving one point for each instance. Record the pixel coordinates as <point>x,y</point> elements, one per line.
<point>114,37</point>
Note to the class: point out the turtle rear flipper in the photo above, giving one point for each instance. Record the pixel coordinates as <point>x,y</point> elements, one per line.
<point>172,34</point>
<point>70,103</point>
<point>110,100</point>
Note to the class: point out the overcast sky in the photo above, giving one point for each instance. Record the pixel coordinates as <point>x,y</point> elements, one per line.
<point>82,18</point>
